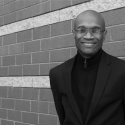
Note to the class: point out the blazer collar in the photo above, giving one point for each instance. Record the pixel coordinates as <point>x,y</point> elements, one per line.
<point>102,77</point>
<point>67,81</point>
<point>103,74</point>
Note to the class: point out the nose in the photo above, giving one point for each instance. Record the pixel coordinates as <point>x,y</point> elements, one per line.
<point>88,35</point>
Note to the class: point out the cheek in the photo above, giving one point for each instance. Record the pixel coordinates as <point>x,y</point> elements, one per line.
<point>100,40</point>
<point>77,40</point>
<point>78,36</point>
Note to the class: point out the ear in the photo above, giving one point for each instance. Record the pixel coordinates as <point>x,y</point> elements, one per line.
<point>104,35</point>
<point>73,31</point>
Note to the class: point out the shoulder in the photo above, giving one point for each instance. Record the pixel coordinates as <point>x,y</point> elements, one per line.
<point>56,70</point>
<point>117,62</point>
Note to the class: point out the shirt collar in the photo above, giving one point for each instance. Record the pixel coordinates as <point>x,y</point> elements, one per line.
<point>91,62</point>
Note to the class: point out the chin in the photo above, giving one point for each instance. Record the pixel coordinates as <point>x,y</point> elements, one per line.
<point>89,53</point>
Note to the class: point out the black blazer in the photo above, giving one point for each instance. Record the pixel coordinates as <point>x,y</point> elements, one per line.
<point>108,101</point>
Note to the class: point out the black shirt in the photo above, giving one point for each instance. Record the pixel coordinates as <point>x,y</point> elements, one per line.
<point>84,75</point>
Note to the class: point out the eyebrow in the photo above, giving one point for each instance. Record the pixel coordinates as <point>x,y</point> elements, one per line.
<point>89,27</point>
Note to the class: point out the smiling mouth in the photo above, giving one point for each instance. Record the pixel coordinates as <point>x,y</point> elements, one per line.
<point>88,44</point>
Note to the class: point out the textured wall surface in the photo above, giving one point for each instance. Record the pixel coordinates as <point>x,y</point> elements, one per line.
<point>35,36</point>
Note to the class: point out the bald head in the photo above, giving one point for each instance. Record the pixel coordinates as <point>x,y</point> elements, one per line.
<point>88,42</point>
<point>89,17</point>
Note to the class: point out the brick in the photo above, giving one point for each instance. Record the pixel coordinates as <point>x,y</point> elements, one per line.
<point>1,21</point>
<point>31,118</point>
<point>59,55</point>
<point>19,15</point>
<point>43,107</point>
<point>67,41</point>
<point>20,123</point>
<point>40,57</point>
<point>0,61</point>
<point>46,95</point>
<point>24,13</point>
<point>45,7</point>
<point>3,71</point>
<point>3,113</point>
<point>44,0</point>
<point>36,10</point>
<point>61,28</point>
<point>8,103</point>
<point>41,32</point>
<point>4,50</point>
<point>3,92</point>
<point>27,12</point>
<point>34,106</point>
<point>58,4</point>
<point>33,46</point>
<point>13,6</point>
<point>22,105</point>
<point>1,41</point>
<point>73,52</point>
<point>14,115</point>
<point>8,60</point>
<point>118,32</point>
<point>114,17</point>
<point>15,71</point>
<point>30,93</point>
<point>16,49</point>
<point>1,10</point>
<point>9,39</point>
<point>45,44</point>
<point>10,18</point>
<point>52,109</point>
<point>15,92</point>
<point>72,25</point>
<point>62,41</point>
<point>23,59</point>
<point>78,1</point>
<point>0,103</point>
<point>55,42</point>
<point>115,49</point>
<point>41,8</point>
<point>6,9</point>
<point>19,4</point>
<point>31,2</point>
<point>30,70</point>
<point>6,122</point>
<point>1,2</point>
<point>45,68</point>
<point>7,1</point>
<point>47,120</point>
<point>24,36</point>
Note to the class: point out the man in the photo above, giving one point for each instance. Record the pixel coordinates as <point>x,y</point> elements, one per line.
<point>89,88</point>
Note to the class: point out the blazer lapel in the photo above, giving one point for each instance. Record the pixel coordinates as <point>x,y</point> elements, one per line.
<point>102,77</point>
<point>67,79</point>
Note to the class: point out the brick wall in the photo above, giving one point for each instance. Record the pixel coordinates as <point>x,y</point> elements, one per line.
<point>27,106</point>
<point>35,51</point>
<point>15,10</point>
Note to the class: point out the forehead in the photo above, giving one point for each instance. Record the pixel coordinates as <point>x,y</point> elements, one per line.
<point>88,20</point>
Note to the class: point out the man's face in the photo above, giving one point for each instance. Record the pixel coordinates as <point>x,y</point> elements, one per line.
<point>89,34</point>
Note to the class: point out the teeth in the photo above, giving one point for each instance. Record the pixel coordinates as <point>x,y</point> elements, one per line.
<point>88,43</point>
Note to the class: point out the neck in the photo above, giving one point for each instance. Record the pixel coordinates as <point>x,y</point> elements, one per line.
<point>86,56</point>
<point>89,61</point>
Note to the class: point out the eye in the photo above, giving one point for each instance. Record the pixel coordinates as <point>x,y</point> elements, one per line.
<point>96,30</point>
<point>82,30</point>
